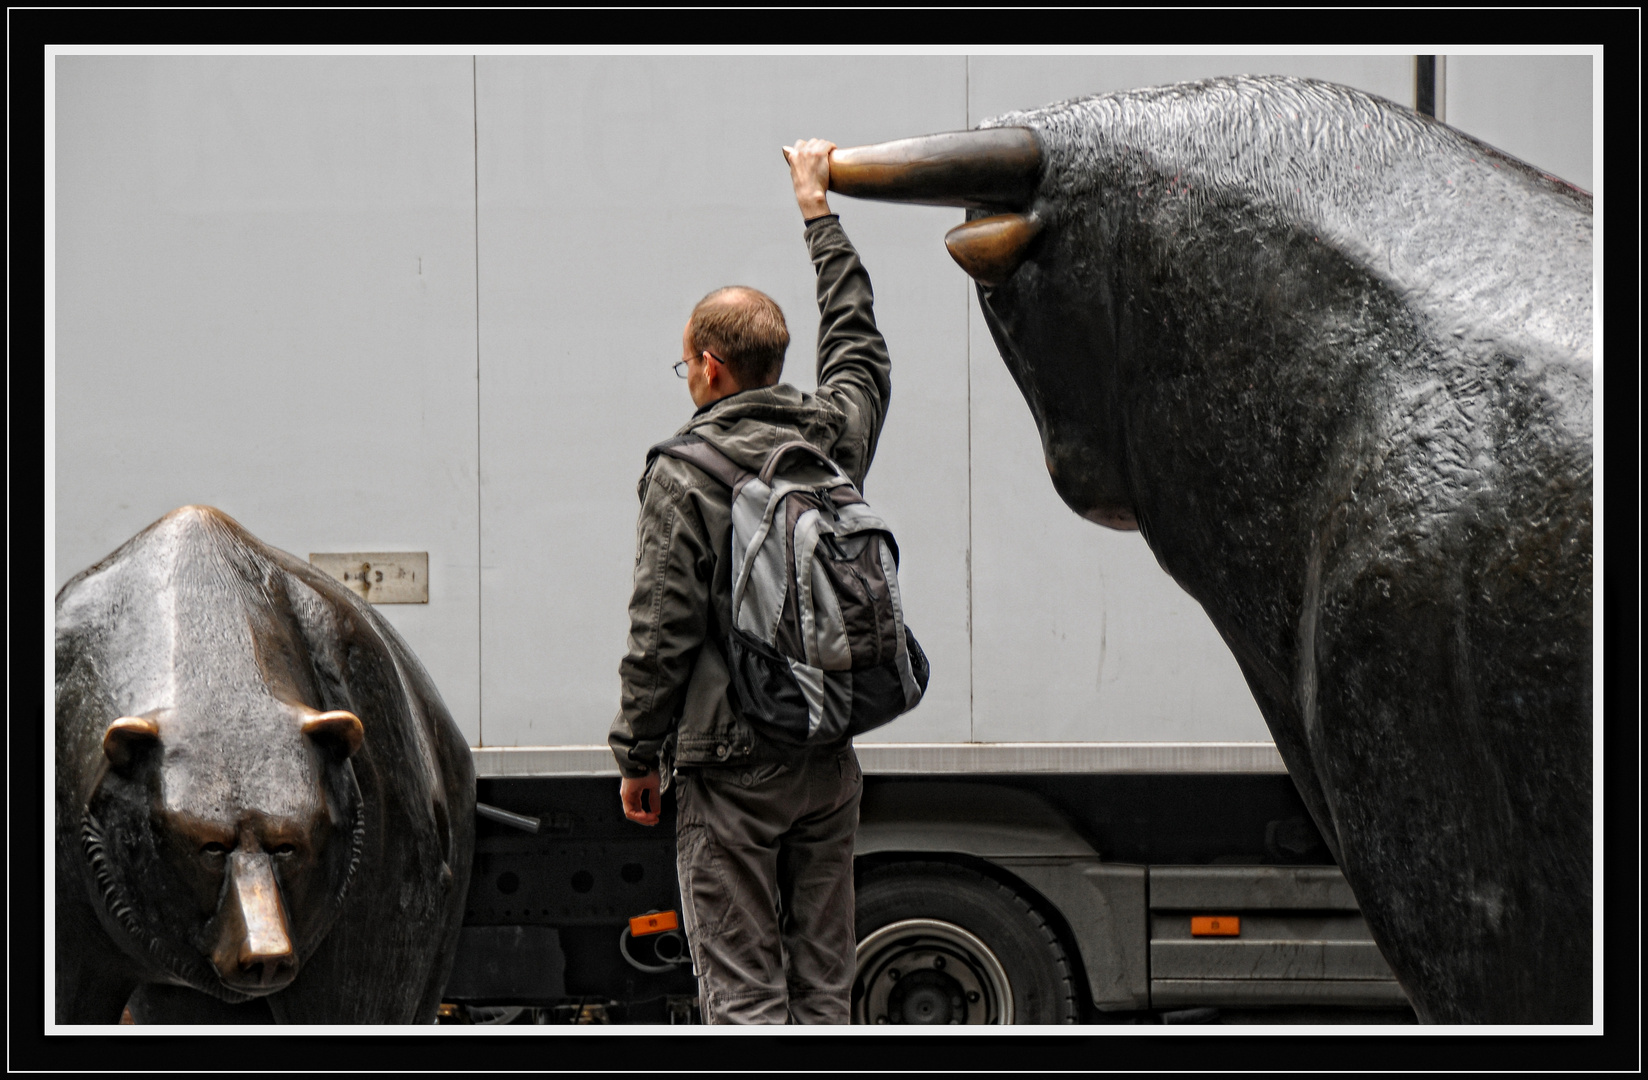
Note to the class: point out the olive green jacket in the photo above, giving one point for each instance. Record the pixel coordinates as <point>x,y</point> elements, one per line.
<point>675,706</point>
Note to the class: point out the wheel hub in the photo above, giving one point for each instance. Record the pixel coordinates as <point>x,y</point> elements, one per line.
<point>926,971</point>
<point>927,997</point>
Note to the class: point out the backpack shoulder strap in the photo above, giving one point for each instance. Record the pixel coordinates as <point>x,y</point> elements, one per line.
<point>800,446</point>
<point>695,451</point>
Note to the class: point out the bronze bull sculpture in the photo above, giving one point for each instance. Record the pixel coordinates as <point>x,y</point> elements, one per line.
<point>264,811</point>
<point>1333,359</point>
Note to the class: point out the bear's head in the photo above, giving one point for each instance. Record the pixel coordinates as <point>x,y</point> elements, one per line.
<point>226,849</point>
<point>219,812</point>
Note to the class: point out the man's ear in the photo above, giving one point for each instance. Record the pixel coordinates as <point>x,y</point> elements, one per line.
<point>720,376</point>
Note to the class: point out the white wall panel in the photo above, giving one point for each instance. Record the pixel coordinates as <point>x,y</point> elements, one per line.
<point>1537,108</point>
<point>614,192</point>
<point>1077,633</point>
<point>265,302</point>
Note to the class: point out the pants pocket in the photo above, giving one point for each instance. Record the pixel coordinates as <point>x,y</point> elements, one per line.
<point>762,774</point>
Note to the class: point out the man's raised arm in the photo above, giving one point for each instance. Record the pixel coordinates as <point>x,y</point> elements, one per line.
<point>854,368</point>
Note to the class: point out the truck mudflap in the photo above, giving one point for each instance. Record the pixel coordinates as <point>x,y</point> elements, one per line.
<point>1103,904</point>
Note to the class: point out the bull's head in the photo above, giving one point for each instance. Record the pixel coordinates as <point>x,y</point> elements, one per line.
<point>1169,269</point>
<point>997,174</point>
<point>1231,304</point>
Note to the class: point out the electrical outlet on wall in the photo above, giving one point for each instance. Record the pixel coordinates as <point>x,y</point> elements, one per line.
<point>379,577</point>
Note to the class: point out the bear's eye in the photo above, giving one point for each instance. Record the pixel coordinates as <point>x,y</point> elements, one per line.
<point>213,848</point>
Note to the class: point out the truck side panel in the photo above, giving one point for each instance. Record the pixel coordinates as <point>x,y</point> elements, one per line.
<point>1290,934</point>
<point>427,304</point>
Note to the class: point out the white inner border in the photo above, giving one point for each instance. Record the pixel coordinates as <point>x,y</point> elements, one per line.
<point>49,426</point>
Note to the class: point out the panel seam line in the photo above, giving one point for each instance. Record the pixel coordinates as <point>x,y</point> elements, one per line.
<point>480,592</point>
<point>967,338</point>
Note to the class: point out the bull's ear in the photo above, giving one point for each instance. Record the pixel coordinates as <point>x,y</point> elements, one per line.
<point>991,248</point>
<point>337,728</point>
<point>128,737</point>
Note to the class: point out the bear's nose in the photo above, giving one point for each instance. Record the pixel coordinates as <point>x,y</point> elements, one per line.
<point>254,946</point>
<point>267,973</point>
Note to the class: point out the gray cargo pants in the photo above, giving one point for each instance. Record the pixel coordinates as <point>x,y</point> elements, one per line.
<point>765,858</point>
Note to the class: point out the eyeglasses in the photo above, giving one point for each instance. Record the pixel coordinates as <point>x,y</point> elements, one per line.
<point>681,365</point>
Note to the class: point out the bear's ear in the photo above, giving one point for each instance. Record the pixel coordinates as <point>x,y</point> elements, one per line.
<point>338,728</point>
<point>128,737</point>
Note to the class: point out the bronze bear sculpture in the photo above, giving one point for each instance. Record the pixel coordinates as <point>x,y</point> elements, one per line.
<point>1332,359</point>
<point>264,811</point>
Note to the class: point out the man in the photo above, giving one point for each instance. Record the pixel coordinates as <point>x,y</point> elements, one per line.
<point>764,838</point>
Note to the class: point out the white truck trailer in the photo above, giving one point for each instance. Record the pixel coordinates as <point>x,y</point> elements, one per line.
<point>415,314</point>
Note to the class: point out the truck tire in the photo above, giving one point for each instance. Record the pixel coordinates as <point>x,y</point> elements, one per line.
<point>942,944</point>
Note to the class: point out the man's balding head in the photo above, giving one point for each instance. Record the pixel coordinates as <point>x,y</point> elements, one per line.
<point>745,329</point>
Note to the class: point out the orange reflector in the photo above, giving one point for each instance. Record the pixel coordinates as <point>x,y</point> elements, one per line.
<point>655,923</point>
<point>1215,926</point>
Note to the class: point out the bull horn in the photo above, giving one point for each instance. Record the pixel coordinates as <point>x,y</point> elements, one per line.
<point>991,248</point>
<point>341,728</point>
<point>990,168</point>
<point>127,737</point>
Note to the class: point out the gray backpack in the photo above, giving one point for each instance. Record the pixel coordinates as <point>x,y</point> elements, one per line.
<point>818,648</point>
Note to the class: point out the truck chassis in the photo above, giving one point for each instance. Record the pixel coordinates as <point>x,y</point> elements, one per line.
<point>997,884</point>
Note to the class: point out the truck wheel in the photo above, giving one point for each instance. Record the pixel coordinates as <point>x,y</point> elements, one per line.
<point>942,944</point>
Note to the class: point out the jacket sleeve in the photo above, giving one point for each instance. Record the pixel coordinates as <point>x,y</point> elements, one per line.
<point>854,368</point>
<point>669,612</point>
